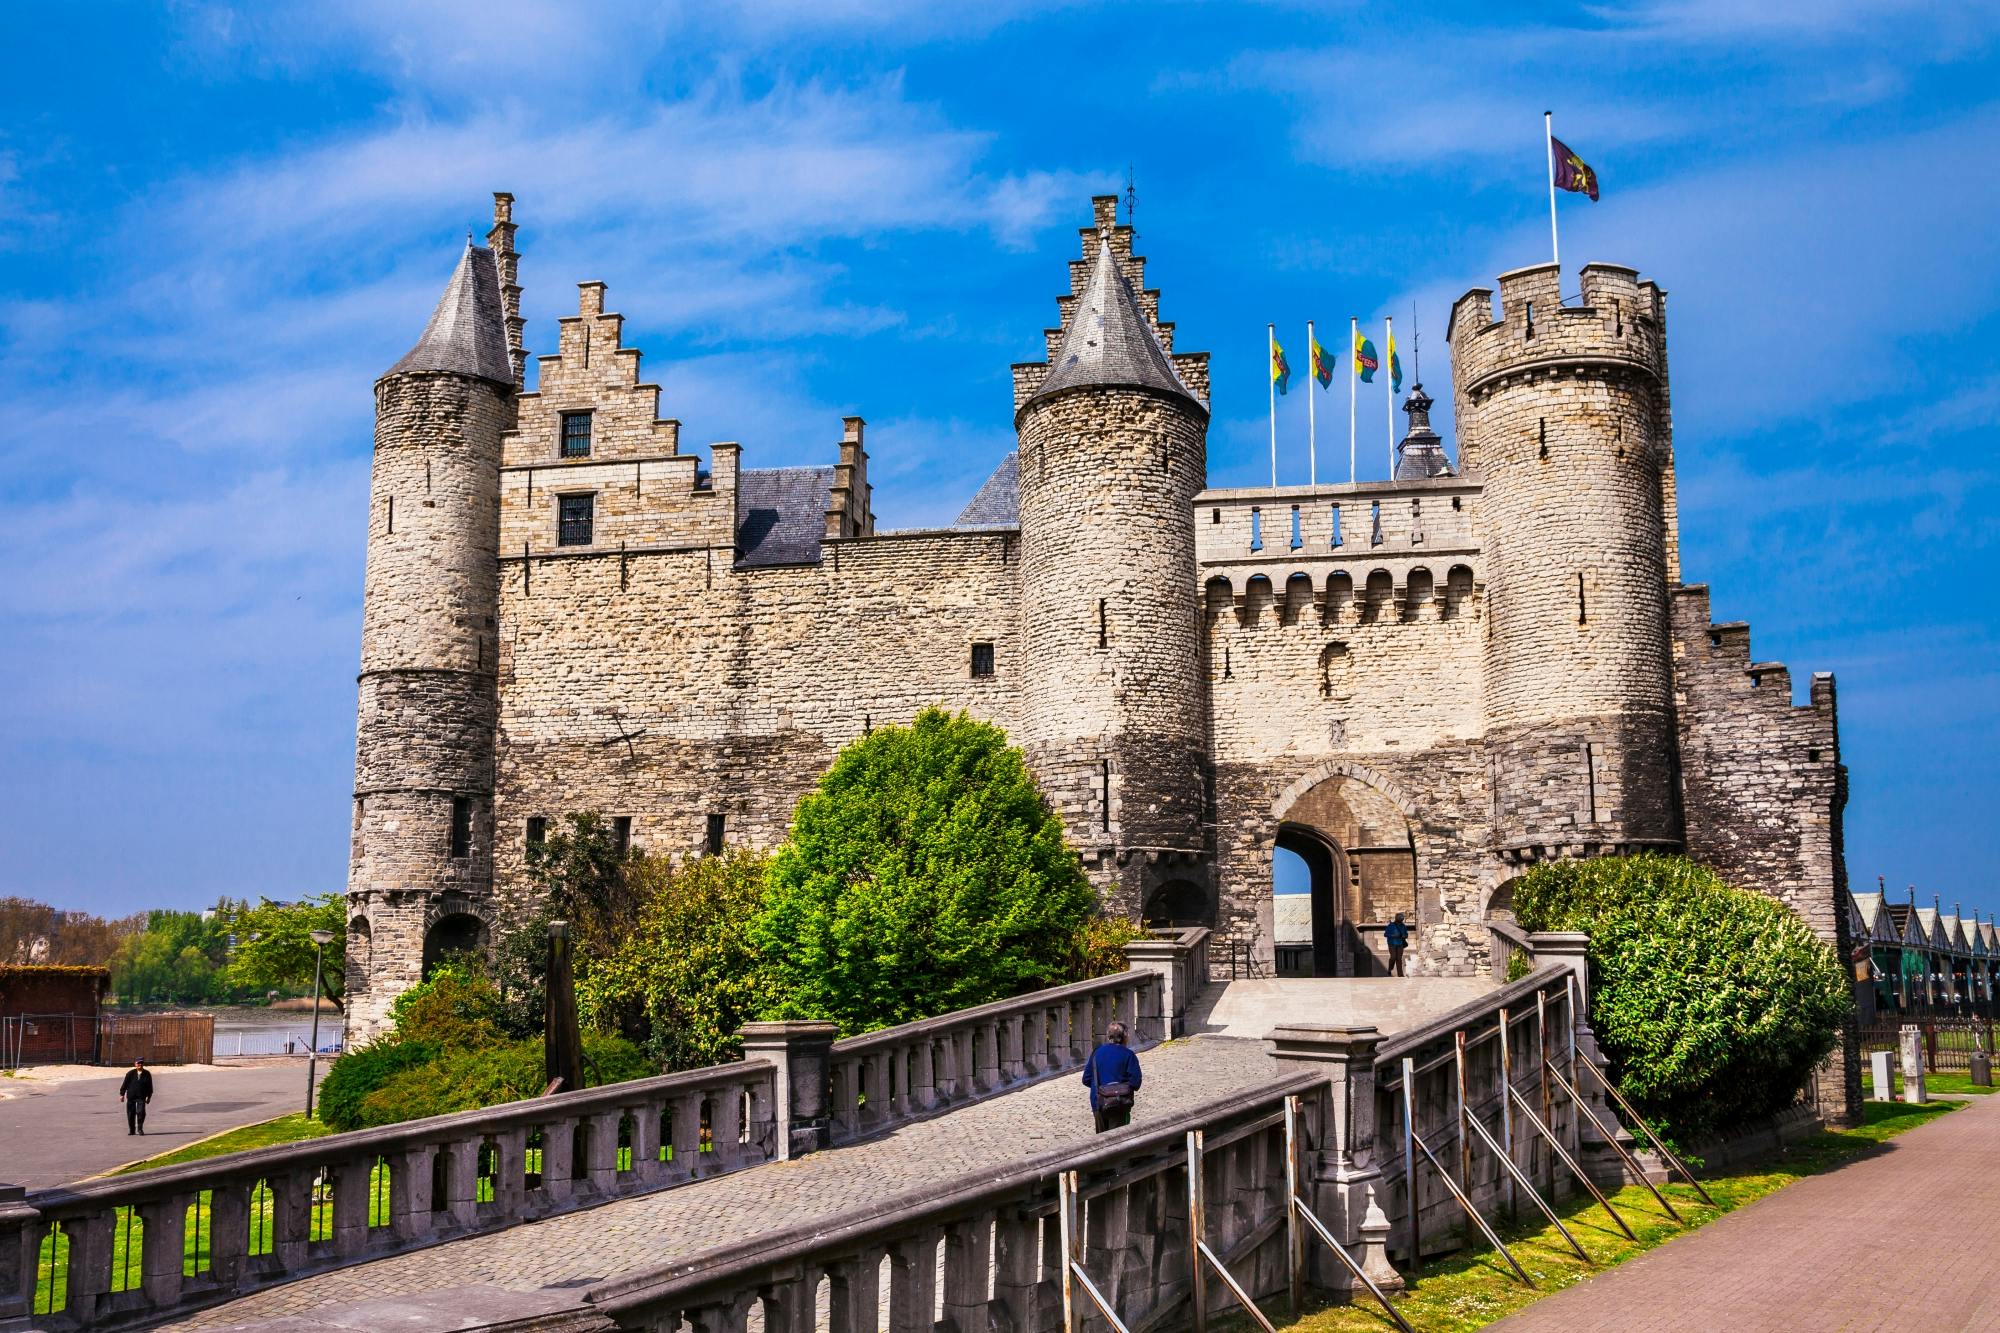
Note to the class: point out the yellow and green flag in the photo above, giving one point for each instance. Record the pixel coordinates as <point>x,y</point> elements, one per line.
<point>1395,365</point>
<point>1322,365</point>
<point>1281,369</point>
<point>1365,360</point>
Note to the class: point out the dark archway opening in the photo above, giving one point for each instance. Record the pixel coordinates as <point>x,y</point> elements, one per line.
<point>1320,955</point>
<point>1179,902</point>
<point>454,934</point>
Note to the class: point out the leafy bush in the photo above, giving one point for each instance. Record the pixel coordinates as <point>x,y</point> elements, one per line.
<point>924,874</point>
<point>687,975</point>
<point>1714,1004</point>
<point>1098,947</point>
<point>361,1071</point>
<point>455,1008</point>
<point>465,1080</point>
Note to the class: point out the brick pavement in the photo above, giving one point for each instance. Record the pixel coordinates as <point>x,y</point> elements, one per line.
<point>582,1248</point>
<point>1906,1238</point>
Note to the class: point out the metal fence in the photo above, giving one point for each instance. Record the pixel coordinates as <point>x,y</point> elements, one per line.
<point>106,1039</point>
<point>1948,1043</point>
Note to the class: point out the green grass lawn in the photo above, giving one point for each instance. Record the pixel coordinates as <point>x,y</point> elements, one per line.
<point>1956,1085</point>
<point>285,1129</point>
<point>1473,1288</point>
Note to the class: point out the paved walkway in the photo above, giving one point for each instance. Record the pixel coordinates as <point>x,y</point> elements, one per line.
<point>1908,1238</point>
<point>548,1264</point>
<point>59,1131</point>
<point>1252,1008</point>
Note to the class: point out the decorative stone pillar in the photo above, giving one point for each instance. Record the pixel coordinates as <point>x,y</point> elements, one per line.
<point>1169,959</point>
<point>1342,1177</point>
<point>1913,1065</point>
<point>20,1247</point>
<point>799,1053</point>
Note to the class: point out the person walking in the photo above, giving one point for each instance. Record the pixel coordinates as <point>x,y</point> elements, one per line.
<point>1113,1077</point>
<point>135,1092</point>
<point>1397,936</point>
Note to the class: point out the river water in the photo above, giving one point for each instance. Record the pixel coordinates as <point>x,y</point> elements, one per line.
<point>254,1030</point>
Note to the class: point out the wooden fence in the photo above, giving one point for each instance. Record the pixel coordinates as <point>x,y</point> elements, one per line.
<point>107,1039</point>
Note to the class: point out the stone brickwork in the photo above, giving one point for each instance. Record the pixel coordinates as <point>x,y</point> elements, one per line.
<point>1428,684</point>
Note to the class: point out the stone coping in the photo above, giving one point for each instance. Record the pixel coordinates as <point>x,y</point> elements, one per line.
<point>676,1281</point>
<point>1041,999</point>
<point>1405,1043</point>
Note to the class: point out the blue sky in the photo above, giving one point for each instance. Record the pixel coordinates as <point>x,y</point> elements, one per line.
<point>218,226</point>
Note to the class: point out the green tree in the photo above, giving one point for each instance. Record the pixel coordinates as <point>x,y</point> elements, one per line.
<point>579,873</point>
<point>1714,1004</point>
<point>274,947</point>
<point>177,958</point>
<point>924,874</point>
<point>687,974</point>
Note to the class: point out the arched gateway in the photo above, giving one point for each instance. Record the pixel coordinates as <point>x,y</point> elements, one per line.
<point>1359,846</point>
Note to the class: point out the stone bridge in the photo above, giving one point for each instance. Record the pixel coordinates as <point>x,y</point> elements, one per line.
<point>929,1176</point>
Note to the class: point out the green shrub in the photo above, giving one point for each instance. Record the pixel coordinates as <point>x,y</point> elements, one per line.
<point>924,874</point>
<point>687,975</point>
<point>361,1071</point>
<point>1098,947</point>
<point>455,1008</point>
<point>1713,1004</point>
<point>465,1080</point>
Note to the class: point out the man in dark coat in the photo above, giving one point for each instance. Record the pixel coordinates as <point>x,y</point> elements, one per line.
<point>1112,1075</point>
<point>135,1092</point>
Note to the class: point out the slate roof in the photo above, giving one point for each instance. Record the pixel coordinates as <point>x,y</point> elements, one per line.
<point>998,502</point>
<point>468,331</point>
<point>781,515</point>
<point>1420,456</point>
<point>1109,341</point>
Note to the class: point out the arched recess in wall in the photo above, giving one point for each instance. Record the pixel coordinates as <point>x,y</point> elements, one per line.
<point>360,945</point>
<point>1307,936</point>
<point>454,933</point>
<point>1179,902</point>
<point>1374,831</point>
<point>1500,900</point>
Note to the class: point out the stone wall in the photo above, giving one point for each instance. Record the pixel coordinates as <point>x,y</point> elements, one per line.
<point>1765,790</point>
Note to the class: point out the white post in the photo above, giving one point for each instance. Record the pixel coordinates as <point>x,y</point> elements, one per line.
<point>1549,151</point>
<point>1312,424</point>
<point>1271,369</point>
<point>1353,371</point>
<point>1389,386</point>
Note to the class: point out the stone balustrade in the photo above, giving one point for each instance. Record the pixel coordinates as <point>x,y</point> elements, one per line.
<point>987,1249</point>
<point>887,1078</point>
<point>134,1249</point>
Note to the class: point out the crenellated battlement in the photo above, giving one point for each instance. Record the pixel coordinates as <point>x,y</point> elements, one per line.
<point>1620,325</point>
<point>1718,653</point>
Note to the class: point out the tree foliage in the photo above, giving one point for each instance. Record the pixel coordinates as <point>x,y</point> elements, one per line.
<point>1714,1004</point>
<point>35,934</point>
<point>179,958</point>
<point>579,874</point>
<point>274,948</point>
<point>925,873</point>
<point>687,974</point>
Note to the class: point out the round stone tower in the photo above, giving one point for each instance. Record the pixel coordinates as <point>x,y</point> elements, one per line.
<point>1563,416</point>
<point>1113,449</point>
<point>420,881</point>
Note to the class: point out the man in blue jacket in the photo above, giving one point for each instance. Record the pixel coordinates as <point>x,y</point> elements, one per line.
<point>1113,1077</point>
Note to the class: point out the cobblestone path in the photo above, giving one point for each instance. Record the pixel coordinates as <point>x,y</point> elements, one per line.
<point>557,1259</point>
<point>1905,1239</point>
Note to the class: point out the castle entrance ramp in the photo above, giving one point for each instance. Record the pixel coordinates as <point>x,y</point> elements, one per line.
<point>1253,1008</point>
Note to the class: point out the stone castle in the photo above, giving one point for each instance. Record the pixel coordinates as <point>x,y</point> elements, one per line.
<point>1421,686</point>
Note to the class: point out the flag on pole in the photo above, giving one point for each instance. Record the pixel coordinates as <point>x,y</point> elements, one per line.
<point>1572,172</point>
<point>1281,369</point>
<point>1365,361</point>
<point>1395,363</point>
<point>1322,365</point>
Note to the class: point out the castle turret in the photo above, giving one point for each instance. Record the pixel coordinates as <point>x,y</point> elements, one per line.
<point>420,881</point>
<point>1562,415</point>
<point>1113,448</point>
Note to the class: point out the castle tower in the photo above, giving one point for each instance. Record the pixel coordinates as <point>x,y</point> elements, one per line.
<point>421,876</point>
<point>1113,449</point>
<point>1562,415</point>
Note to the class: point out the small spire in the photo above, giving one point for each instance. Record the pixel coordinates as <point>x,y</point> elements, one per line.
<point>1110,342</point>
<point>1421,454</point>
<point>467,334</point>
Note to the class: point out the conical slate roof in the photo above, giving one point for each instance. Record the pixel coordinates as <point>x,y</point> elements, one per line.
<point>467,334</point>
<point>1109,341</point>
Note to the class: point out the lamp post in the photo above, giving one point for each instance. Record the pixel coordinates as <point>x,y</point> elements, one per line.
<point>320,939</point>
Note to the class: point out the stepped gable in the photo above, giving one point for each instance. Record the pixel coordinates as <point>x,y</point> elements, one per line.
<point>997,504</point>
<point>781,515</point>
<point>1110,343</point>
<point>467,333</point>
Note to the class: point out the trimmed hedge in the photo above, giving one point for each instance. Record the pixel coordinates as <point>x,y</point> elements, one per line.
<point>467,1080</point>
<point>359,1072</point>
<point>1714,1004</point>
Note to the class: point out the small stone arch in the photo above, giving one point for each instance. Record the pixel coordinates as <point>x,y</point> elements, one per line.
<point>1217,596</point>
<point>1417,588</point>
<point>1499,900</point>
<point>1298,596</point>
<point>360,944</point>
<point>1378,596</point>
<point>1343,768</point>
<point>1179,902</point>
<point>1257,595</point>
<point>1457,591</point>
<point>1339,596</point>
<point>455,923</point>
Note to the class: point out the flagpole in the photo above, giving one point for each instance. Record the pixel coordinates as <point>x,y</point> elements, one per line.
<point>1271,336</point>
<point>1353,336</point>
<point>1389,386</point>
<point>1549,152</point>
<point>1312,424</point>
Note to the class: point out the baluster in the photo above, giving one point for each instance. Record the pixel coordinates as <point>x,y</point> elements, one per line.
<point>854,1292</point>
<point>461,1183</point>
<point>725,1125</point>
<point>876,1112</point>
<point>924,1079</point>
<point>410,1202</point>
<point>988,1060</point>
<point>645,1145</point>
<point>968,1261</point>
<point>1017,1283</point>
<point>687,1135</point>
<point>1013,1050</point>
<point>730,1315</point>
<point>163,1251</point>
<point>1105,1227</point>
<point>762,1145</point>
<point>558,1160</point>
<point>913,1283</point>
<point>845,1078</point>
<point>291,1216</point>
<point>510,1165</point>
<point>228,1232</point>
<point>788,1303</point>
<point>944,1057</point>
<point>90,1238</point>
<point>352,1190</point>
